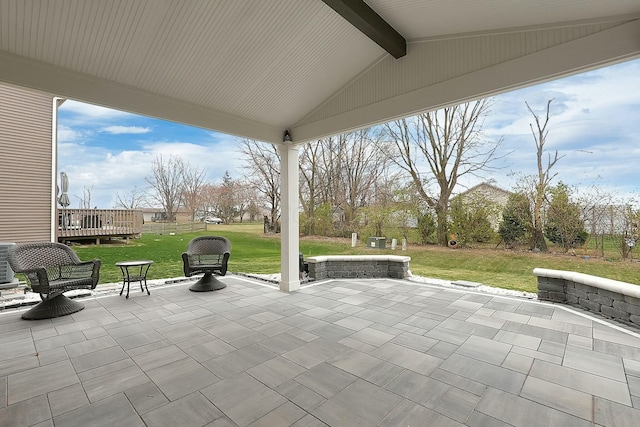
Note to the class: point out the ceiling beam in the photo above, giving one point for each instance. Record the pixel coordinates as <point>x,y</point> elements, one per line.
<point>365,19</point>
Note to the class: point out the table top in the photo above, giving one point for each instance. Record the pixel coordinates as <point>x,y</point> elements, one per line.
<point>134,263</point>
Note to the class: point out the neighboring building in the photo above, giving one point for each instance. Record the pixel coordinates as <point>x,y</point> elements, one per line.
<point>491,193</point>
<point>27,165</point>
<point>153,214</point>
<point>159,215</point>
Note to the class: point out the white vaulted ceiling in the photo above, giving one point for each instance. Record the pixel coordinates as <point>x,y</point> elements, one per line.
<point>254,68</point>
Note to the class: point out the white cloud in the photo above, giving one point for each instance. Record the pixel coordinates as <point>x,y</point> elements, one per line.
<point>103,172</point>
<point>119,130</point>
<point>593,123</point>
<point>108,172</point>
<point>215,159</point>
<point>67,134</point>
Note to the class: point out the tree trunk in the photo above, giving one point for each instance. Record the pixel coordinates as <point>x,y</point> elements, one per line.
<point>441,217</point>
<point>538,240</point>
<point>537,237</point>
<point>544,176</point>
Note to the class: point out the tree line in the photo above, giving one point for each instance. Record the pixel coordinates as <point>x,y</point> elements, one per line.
<point>401,175</point>
<point>175,183</point>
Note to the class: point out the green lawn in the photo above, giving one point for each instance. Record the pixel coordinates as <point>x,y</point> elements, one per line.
<point>253,252</point>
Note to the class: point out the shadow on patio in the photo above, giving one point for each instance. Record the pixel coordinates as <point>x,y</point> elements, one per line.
<point>340,352</point>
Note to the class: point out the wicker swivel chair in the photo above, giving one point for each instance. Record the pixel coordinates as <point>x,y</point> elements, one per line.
<point>52,269</point>
<point>208,255</point>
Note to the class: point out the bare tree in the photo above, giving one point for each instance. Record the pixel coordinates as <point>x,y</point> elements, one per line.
<point>363,171</point>
<point>309,189</point>
<point>340,172</point>
<point>629,236</point>
<point>385,206</point>
<point>449,144</point>
<point>166,182</point>
<point>227,199</point>
<point>209,198</point>
<point>85,200</point>
<point>131,199</point>
<point>332,155</point>
<point>597,204</point>
<point>245,199</point>
<point>262,163</point>
<point>253,207</point>
<point>544,177</point>
<point>192,185</point>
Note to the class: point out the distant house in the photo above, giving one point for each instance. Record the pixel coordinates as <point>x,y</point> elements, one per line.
<point>153,214</point>
<point>496,196</point>
<point>159,215</point>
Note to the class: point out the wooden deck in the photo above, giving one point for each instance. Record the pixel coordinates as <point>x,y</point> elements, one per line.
<point>98,224</point>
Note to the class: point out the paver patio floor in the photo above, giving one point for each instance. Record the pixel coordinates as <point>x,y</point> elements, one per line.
<point>338,353</point>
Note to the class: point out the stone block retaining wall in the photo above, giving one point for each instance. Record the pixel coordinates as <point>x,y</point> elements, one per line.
<point>358,266</point>
<point>613,299</point>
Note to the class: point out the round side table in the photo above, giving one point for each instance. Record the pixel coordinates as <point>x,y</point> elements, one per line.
<point>134,271</point>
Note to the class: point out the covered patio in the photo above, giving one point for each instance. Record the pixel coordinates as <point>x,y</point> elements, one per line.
<point>342,352</point>
<point>339,353</point>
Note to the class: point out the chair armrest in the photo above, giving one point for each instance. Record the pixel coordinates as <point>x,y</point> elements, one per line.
<point>225,262</point>
<point>81,269</point>
<point>37,279</point>
<point>84,270</point>
<point>95,273</point>
<point>185,264</point>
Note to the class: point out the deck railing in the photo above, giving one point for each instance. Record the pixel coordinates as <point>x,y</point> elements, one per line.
<point>98,223</point>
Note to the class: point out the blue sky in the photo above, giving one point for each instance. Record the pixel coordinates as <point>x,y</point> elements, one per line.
<point>595,124</point>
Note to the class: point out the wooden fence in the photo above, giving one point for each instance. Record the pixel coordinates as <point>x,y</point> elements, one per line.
<point>172,227</point>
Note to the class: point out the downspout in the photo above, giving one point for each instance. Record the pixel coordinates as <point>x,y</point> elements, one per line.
<point>56,102</point>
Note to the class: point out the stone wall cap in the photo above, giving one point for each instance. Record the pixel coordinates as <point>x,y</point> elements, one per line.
<point>325,258</point>
<point>623,288</point>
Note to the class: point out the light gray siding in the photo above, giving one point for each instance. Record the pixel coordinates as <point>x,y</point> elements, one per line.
<point>25,165</point>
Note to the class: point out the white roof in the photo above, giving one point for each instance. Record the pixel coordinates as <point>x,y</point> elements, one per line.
<point>255,68</point>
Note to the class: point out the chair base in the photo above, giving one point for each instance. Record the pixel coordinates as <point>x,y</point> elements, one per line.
<point>207,283</point>
<point>57,306</point>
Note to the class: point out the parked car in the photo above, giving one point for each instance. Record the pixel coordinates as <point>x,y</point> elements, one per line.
<point>213,220</point>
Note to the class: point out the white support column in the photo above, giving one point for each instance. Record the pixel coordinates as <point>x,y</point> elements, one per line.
<point>289,243</point>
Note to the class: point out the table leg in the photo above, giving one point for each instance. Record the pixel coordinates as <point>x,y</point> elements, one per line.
<point>144,277</point>
<point>124,281</point>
